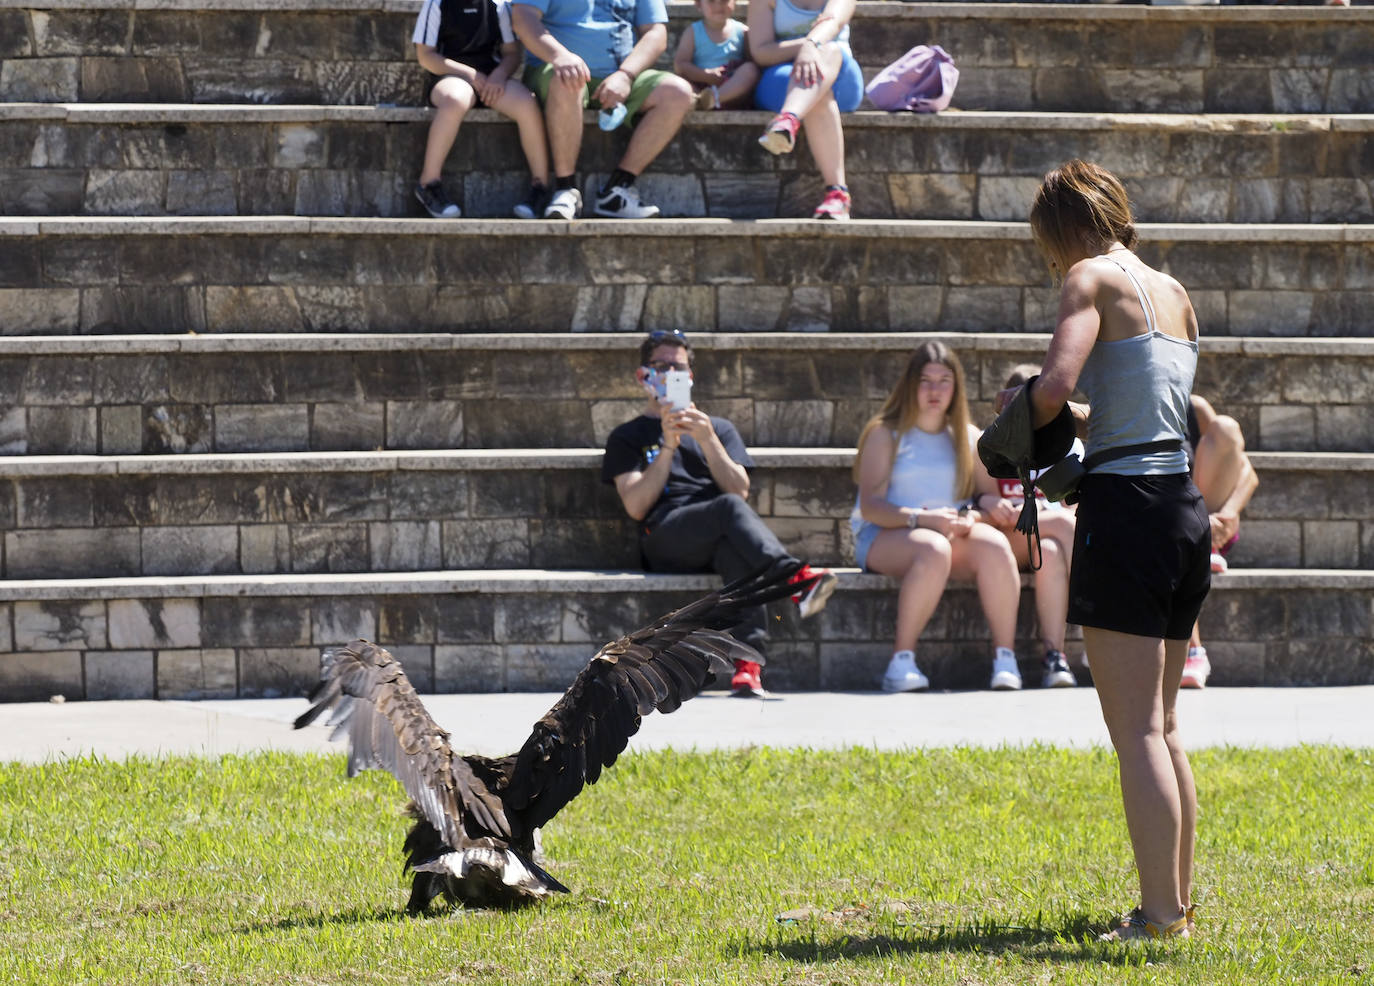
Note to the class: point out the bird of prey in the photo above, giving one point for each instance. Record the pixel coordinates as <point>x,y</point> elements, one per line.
<point>477,818</point>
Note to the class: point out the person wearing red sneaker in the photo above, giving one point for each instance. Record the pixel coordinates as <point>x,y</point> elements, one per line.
<point>684,476</point>
<point>809,78</point>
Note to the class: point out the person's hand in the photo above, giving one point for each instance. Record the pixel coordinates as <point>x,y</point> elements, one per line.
<point>490,87</point>
<point>570,70</point>
<point>671,425</point>
<point>1003,513</point>
<point>1005,397</point>
<point>947,521</point>
<point>1225,524</point>
<point>717,75</point>
<point>694,422</point>
<point>614,89</point>
<point>806,67</point>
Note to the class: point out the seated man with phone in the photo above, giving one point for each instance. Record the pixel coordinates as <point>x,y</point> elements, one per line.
<point>684,476</point>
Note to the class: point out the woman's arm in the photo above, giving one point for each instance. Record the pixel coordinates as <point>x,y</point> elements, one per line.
<point>764,47</point>
<point>1074,335</point>
<point>875,469</point>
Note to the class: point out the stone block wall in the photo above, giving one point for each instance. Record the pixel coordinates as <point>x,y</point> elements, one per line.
<point>297,275</point>
<point>1027,57</point>
<point>92,160</point>
<point>441,512</point>
<point>536,633</point>
<point>207,394</point>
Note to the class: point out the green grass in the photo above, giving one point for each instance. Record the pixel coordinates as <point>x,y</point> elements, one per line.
<point>962,867</point>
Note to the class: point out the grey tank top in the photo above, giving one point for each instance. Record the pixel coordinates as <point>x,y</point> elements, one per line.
<point>1138,389</point>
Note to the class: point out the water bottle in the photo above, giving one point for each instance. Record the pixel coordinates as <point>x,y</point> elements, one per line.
<point>610,119</point>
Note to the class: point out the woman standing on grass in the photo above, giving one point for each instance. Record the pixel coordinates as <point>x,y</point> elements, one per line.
<point>1127,337</point>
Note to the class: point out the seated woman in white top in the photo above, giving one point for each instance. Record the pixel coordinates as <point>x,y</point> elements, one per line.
<point>917,472</point>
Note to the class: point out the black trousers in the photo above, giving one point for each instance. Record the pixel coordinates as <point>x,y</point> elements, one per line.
<point>722,535</point>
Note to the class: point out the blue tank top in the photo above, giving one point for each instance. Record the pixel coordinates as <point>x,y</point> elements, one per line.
<point>791,21</point>
<point>1138,389</point>
<point>707,54</point>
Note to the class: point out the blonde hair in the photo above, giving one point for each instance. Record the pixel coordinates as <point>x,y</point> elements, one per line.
<point>902,406</point>
<point>1080,206</point>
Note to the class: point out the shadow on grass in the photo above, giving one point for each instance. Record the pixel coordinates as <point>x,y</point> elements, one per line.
<point>1072,940</point>
<point>361,915</point>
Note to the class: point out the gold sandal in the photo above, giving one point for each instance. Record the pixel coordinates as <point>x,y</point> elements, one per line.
<point>1136,927</point>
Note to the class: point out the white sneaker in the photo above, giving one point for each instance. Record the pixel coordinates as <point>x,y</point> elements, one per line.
<point>1196,668</point>
<point>621,202</point>
<point>1006,676</point>
<point>565,204</point>
<point>902,674</point>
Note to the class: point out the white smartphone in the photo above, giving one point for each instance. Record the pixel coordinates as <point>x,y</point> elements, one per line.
<point>678,389</point>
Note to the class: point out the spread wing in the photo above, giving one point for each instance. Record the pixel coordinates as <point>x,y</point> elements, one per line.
<point>388,728</point>
<point>659,666</point>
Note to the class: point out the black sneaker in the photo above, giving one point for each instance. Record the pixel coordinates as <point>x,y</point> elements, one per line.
<point>436,203</point>
<point>1057,673</point>
<point>534,204</point>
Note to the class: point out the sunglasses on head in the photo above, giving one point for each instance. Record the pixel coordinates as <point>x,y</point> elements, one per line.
<point>667,335</point>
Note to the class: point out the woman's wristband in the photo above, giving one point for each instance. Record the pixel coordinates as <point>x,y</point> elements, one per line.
<point>913,519</point>
<point>814,43</point>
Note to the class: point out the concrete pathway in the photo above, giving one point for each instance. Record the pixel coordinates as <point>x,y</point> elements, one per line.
<point>494,724</point>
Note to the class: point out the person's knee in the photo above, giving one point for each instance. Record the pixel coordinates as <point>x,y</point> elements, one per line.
<point>453,95</point>
<point>929,553</point>
<point>672,94</point>
<point>1228,436</point>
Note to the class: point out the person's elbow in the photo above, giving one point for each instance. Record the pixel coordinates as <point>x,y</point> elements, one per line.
<point>1049,394</point>
<point>654,39</point>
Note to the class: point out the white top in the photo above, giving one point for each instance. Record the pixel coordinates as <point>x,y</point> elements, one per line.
<point>923,472</point>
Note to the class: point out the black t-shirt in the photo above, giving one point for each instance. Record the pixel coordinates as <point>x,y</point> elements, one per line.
<point>635,444</point>
<point>467,31</point>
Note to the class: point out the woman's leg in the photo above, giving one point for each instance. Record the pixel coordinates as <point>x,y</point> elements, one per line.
<point>799,100</point>
<point>1175,654</point>
<point>986,557</point>
<point>1129,673</point>
<point>452,98</point>
<point>1052,580</point>
<point>519,104</point>
<point>921,559</point>
<point>825,137</point>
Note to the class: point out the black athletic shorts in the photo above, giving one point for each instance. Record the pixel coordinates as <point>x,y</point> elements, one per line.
<point>1141,555</point>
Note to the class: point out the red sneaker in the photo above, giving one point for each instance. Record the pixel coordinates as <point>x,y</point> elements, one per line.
<point>835,205</point>
<point>747,681</point>
<point>813,598</point>
<point>781,135</point>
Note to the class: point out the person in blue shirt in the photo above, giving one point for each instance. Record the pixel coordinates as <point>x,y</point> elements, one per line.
<point>714,54</point>
<point>601,53</point>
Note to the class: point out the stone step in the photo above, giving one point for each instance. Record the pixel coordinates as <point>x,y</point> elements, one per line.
<point>69,516</point>
<point>1011,56</point>
<point>492,631</point>
<point>260,393</point>
<point>290,274</point>
<point>120,159</point>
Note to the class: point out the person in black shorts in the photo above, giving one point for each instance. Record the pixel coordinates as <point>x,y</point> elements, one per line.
<point>684,476</point>
<point>1126,337</point>
<point>471,53</point>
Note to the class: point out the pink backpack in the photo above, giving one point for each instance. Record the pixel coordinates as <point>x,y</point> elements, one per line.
<point>922,80</point>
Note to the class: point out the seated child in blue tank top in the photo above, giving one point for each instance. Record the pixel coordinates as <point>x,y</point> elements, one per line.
<point>713,55</point>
